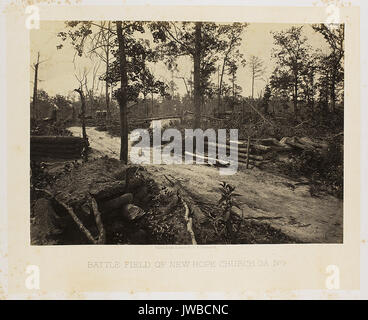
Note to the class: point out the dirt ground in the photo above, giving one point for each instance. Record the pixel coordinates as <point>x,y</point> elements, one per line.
<point>264,197</point>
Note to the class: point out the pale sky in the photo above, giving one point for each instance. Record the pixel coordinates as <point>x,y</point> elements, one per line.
<point>57,73</point>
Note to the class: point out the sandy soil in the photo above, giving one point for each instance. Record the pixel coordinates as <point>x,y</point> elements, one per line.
<point>263,196</point>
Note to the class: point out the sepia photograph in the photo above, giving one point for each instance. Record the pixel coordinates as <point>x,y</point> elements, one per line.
<point>183,151</point>
<point>177,132</point>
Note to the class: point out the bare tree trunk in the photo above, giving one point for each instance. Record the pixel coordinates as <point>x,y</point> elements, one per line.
<point>83,114</point>
<point>326,94</point>
<point>219,104</point>
<point>145,104</point>
<point>186,87</point>
<point>123,97</point>
<point>34,102</point>
<point>107,90</point>
<point>73,114</point>
<point>252,84</point>
<point>197,75</point>
<point>107,73</point>
<point>333,93</point>
<point>296,111</point>
<point>233,81</point>
<point>312,93</point>
<point>152,103</point>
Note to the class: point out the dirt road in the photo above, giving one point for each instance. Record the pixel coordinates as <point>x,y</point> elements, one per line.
<point>264,196</point>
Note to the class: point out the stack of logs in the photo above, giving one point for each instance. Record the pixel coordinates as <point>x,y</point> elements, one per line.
<point>57,147</point>
<point>94,195</point>
<point>258,151</point>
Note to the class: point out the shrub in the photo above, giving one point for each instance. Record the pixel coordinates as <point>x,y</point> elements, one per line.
<point>325,170</point>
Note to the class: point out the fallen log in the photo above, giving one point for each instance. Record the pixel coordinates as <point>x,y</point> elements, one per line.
<point>269,142</point>
<point>261,115</point>
<point>101,230</point>
<point>253,162</point>
<point>241,151</point>
<point>41,156</point>
<point>56,147</point>
<point>243,154</point>
<point>133,212</point>
<point>300,124</point>
<point>260,147</point>
<point>116,203</point>
<point>56,152</point>
<point>70,211</point>
<point>56,140</point>
<point>189,221</point>
<point>184,194</point>
<point>308,141</point>
<point>293,141</point>
<point>108,190</point>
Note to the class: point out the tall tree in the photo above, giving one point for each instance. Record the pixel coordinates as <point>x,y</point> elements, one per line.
<point>82,78</point>
<point>232,72</point>
<point>308,80</point>
<point>183,39</point>
<point>323,83</point>
<point>256,66</point>
<point>197,74</point>
<point>291,52</point>
<point>35,85</point>
<point>92,39</point>
<point>334,36</point>
<point>206,44</point>
<point>123,96</point>
<point>281,82</point>
<point>126,46</point>
<point>229,40</point>
<point>266,99</point>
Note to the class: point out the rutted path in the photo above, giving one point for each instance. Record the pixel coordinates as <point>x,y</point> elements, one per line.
<point>264,196</point>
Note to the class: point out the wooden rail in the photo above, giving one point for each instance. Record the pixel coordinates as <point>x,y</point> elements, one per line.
<point>56,147</point>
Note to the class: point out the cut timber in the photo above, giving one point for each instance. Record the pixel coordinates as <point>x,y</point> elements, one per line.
<point>132,212</point>
<point>252,162</point>
<point>116,203</point>
<point>260,147</point>
<point>43,156</point>
<point>309,141</point>
<point>47,194</point>
<point>57,154</point>
<point>57,140</point>
<point>241,151</point>
<point>293,141</point>
<point>270,142</point>
<point>189,221</point>
<point>56,147</point>
<point>250,156</point>
<point>90,178</point>
<point>108,190</point>
<point>101,230</point>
